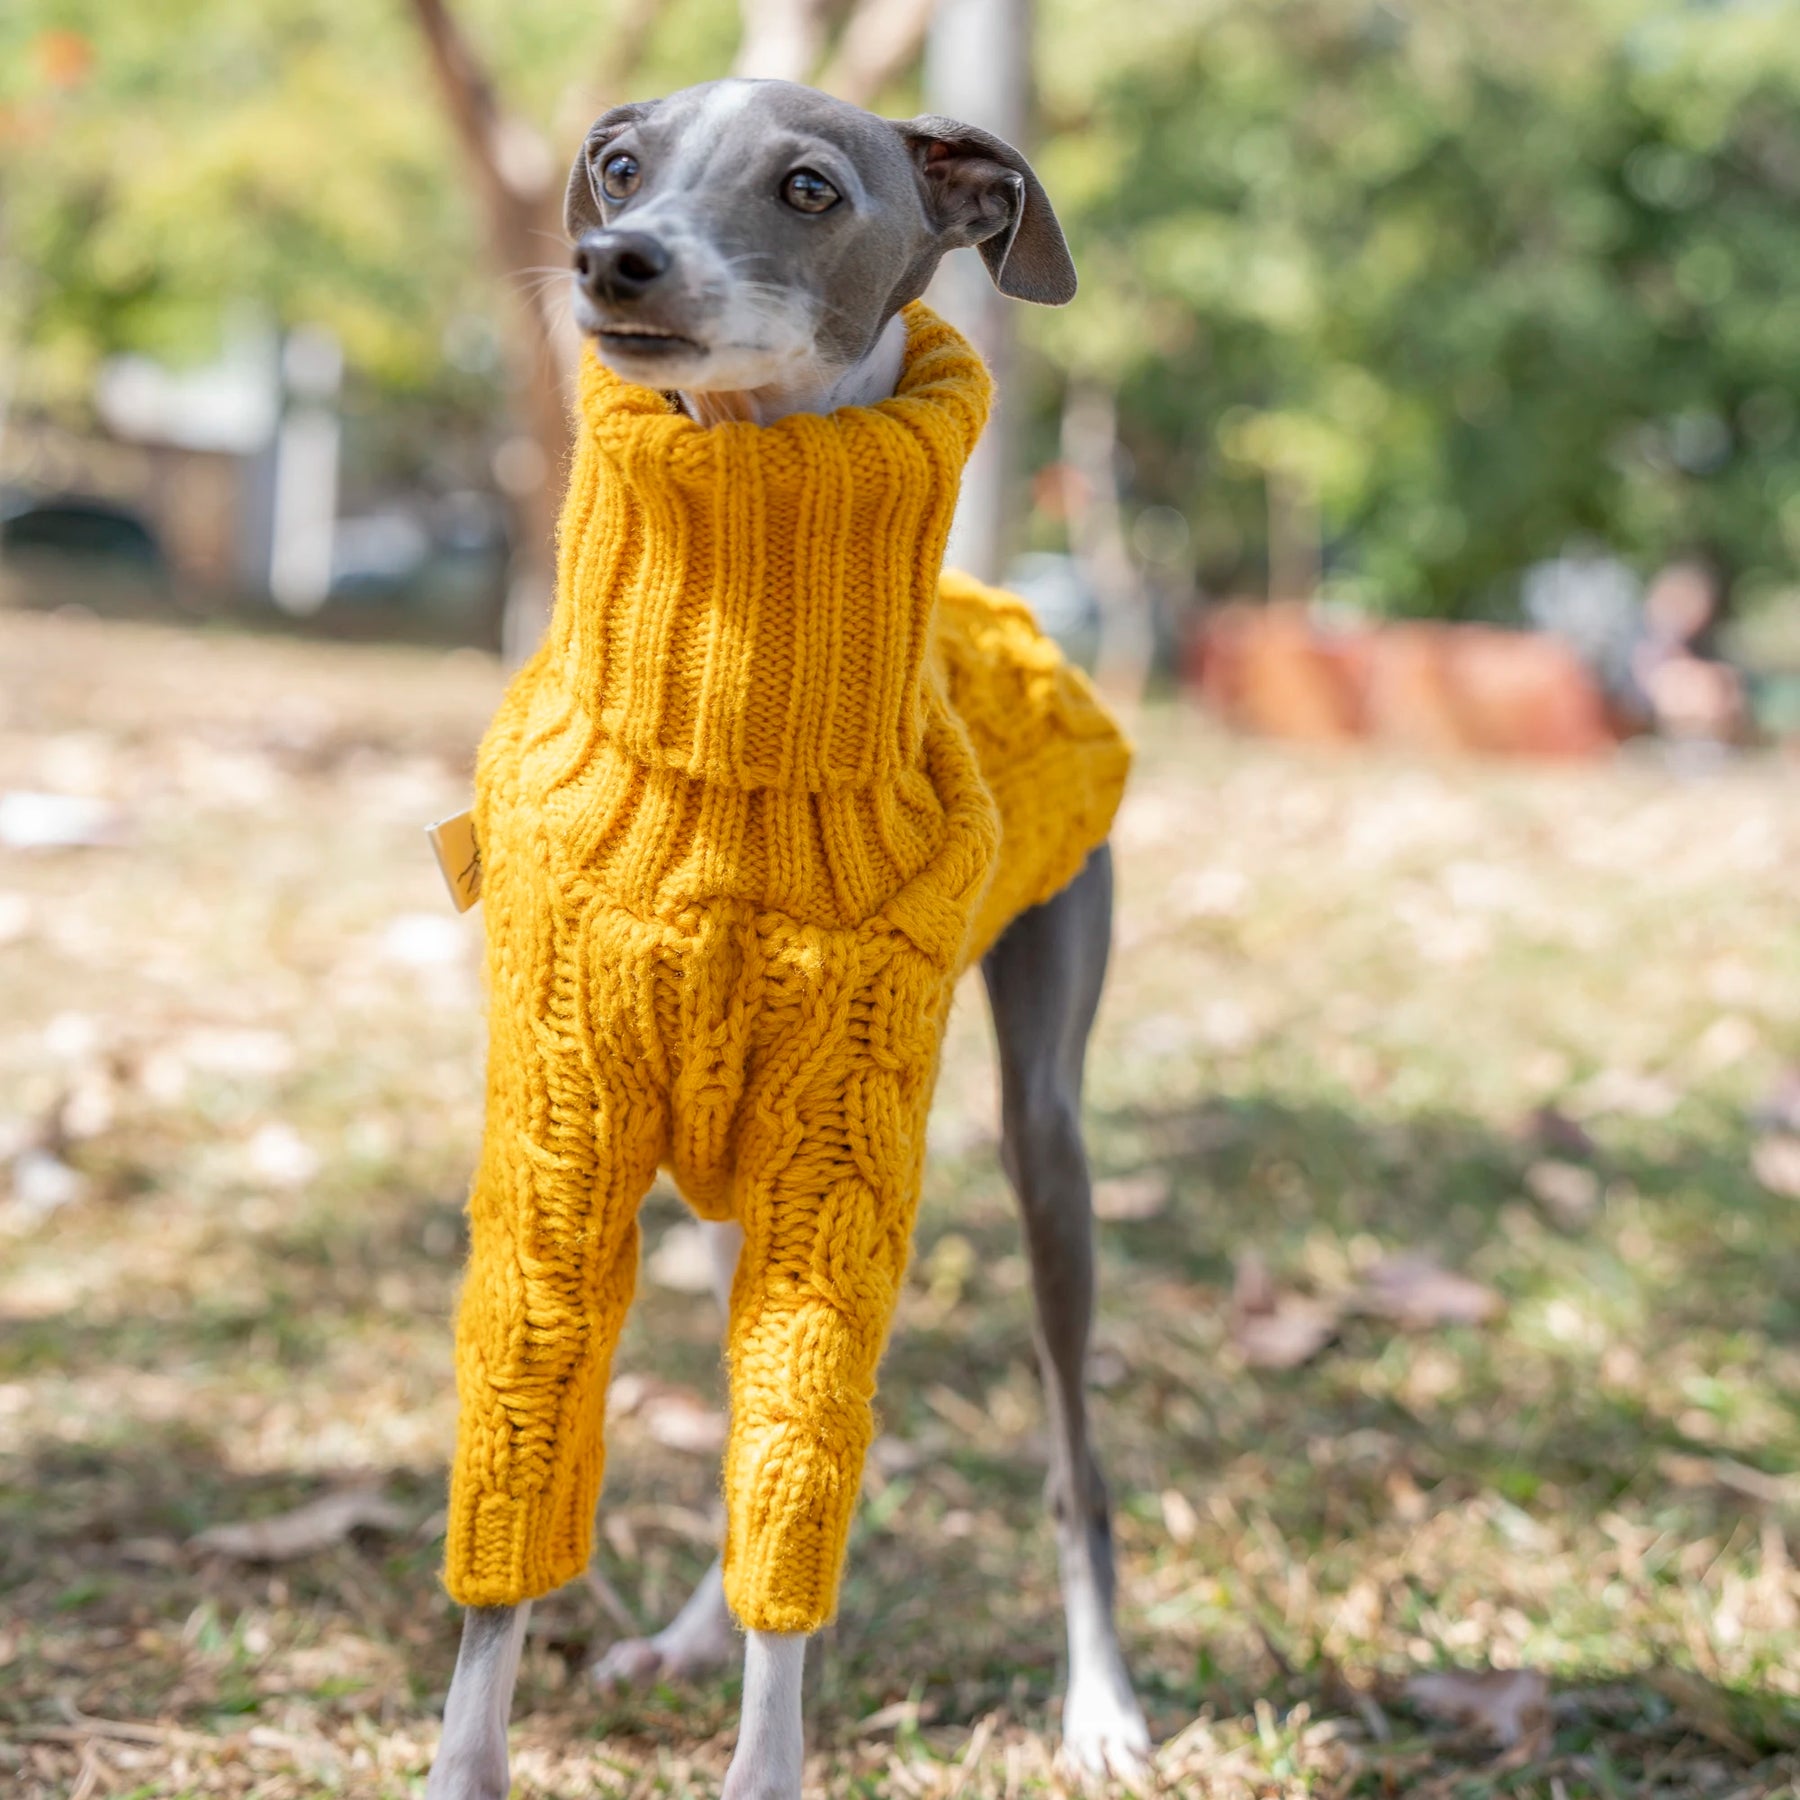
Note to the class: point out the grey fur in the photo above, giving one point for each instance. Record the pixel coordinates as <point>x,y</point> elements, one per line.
<point>980,190</point>
<point>1043,979</point>
<point>751,286</point>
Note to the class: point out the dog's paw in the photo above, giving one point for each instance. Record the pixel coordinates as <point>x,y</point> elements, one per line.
<point>639,1663</point>
<point>1104,1735</point>
<point>481,1775</point>
<point>633,1663</point>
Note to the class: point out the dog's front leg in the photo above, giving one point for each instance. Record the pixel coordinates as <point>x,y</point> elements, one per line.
<point>471,1758</point>
<point>771,1746</point>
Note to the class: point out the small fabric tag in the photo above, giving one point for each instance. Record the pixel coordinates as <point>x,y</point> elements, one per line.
<point>458,856</point>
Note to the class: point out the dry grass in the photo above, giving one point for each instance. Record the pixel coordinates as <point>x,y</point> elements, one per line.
<point>250,1030</point>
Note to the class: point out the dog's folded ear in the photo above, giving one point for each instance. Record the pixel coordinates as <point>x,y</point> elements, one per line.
<point>979,190</point>
<point>581,205</point>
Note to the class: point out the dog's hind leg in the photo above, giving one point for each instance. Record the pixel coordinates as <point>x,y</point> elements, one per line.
<point>471,1759</point>
<point>701,1637</point>
<point>1044,978</point>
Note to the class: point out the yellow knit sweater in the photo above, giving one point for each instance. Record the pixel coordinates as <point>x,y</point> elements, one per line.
<point>764,791</point>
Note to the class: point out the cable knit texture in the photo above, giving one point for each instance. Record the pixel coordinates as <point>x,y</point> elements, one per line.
<point>767,787</point>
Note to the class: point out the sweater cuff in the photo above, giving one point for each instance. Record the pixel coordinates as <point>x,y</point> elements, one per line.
<point>502,1549</point>
<point>788,1531</point>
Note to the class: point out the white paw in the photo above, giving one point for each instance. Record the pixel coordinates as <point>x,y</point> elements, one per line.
<point>1104,1734</point>
<point>639,1663</point>
<point>764,1785</point>
<point>466,1776</point>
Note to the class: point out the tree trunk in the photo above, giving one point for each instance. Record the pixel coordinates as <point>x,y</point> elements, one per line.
<point>978,69</point>
<point>880,40</point>
<point>519,184</point>
<point>1090,446</point>
<point>781,39</point>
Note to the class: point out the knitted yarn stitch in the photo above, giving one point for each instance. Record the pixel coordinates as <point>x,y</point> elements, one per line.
<point>767,787</point>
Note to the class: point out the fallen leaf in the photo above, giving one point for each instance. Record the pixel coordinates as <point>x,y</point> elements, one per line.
<point>1630,1093</point>
<point>1417,1292</point>
<point>314,1526</point>
<point>1342,1693</point>
<point>1276,1330</point>
<point>1779,1108</point>
<point>897,1456</point>
<point>1725,1041</point>
<point>16,917</point>
<point>1726,1472</point>
<point>956,1134</point>
<point>1179,1518</point>
<point>1569,1193</point>
<point>150,1552</point>
<point>223,1050</point>
<point>42,1183</point>
<point>685,1522</point>
<point>423,940</point>
<point>1507,1704</point>
<point>679,1420</point>
<point>627,1394</point>
<point>279,1155</point>
<point>30,821</point>
<point>682,1261</point>
<point>1406,1496</point>
<point>897,1716</point>
<point>1701,1707</point>
<point>1121,1199</point>
<point>1551,1129</point>
<point>1775,1162</point>
<point>675,1417</point>
<point>1198,1133</point>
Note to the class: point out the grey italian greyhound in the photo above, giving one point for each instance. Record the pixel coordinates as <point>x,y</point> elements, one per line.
<point>748,246</point>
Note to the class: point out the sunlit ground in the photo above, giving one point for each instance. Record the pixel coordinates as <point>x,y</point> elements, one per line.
<point>239,1082</point>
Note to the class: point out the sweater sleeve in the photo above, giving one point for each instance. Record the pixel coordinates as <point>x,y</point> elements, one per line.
<point>828,1186</point>
<point>573,1135</point>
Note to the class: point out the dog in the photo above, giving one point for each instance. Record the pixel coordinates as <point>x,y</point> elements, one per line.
<point>747,247</point>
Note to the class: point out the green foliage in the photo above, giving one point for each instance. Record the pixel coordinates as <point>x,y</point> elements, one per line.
<point>1481,277</point>
<point>165,163</point>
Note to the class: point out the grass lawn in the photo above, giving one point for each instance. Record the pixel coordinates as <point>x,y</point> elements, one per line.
<point>1513,1019</point>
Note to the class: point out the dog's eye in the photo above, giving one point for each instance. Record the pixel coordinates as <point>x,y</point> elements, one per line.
<point>619,176</point>
<point>806,190</point>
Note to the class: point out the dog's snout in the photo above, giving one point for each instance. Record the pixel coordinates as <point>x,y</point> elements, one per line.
<point>620,265</point>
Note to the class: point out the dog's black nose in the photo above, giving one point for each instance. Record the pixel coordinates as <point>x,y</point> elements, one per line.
<point>619,265</point>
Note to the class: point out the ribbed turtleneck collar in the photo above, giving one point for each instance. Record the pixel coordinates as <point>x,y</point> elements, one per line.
<point>753,604</point>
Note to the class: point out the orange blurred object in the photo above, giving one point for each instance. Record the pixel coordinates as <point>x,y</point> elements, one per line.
<point>64,58</point>
<point>1276,671</point>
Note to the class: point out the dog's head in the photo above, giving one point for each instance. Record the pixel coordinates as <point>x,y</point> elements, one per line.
<point>747,234</point>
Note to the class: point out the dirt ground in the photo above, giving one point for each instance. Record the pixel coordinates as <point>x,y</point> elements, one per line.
<point>1511,1024</point>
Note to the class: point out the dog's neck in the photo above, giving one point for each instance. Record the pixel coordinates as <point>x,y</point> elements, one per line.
<point>872,378</point>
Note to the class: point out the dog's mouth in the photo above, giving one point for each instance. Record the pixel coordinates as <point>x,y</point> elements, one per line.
<point>647,340</point>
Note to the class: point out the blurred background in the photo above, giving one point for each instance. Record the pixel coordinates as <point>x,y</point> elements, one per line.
<point>1403,311</point>
<point>1419,469</point>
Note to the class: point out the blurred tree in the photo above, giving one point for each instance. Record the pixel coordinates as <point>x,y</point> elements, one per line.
<point>1458,279</point>
<point>1461,281</point>
<point>317,158</point>
<point>520,180</point>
